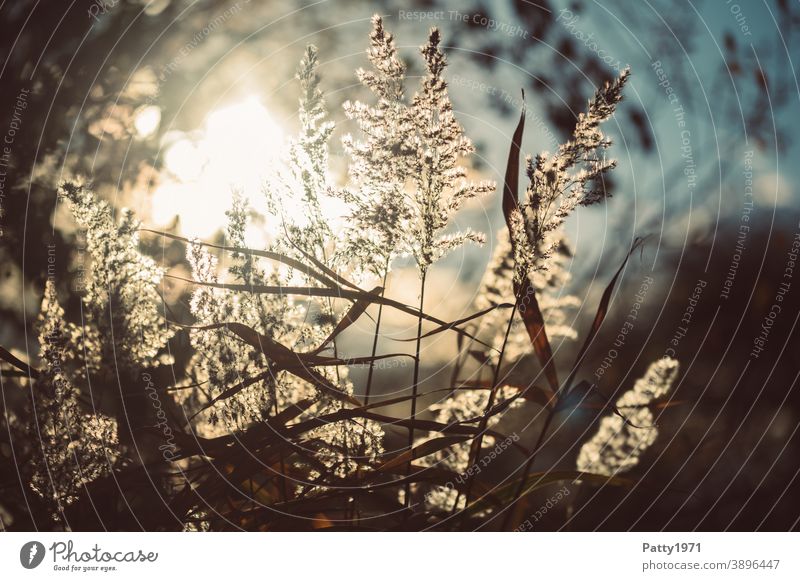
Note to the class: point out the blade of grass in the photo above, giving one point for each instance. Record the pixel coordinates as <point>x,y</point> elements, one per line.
<point>337,292</point>
<point>602,311</point>
<point>8,357</point>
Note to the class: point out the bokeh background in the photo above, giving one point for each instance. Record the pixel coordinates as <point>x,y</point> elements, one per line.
<point>164,106</point>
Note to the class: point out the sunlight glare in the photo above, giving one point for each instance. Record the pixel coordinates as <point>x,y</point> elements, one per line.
<point>146,121</point>
<point>234,149</point>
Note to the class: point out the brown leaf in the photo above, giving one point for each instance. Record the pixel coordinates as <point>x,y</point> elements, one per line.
<point>283,358</point>
<point>511,184</point>
<point>534,323</point>
<point>334,292</point>
<point>525,293</point>
<point>359,308</point>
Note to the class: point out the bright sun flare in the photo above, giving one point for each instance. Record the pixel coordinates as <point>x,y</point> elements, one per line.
<point>234,149</point>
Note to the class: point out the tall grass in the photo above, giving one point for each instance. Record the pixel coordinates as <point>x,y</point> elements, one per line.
<point>271,434</point>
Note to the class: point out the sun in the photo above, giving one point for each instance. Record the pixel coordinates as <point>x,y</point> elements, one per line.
<point>234,150</point>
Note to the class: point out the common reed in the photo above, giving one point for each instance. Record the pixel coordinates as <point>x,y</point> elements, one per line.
<point>267,430</point>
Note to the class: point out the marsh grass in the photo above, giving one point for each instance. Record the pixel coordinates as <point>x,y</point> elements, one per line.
<point>266,431</point>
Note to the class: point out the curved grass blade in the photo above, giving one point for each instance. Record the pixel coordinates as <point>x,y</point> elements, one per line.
<point>511,183</point>
<point>11,359</point>
<point>602,311</point>
<point>526,297</point>
<point>454,324</point>
<point>274,256</point>
<point>540,395</point>
<point>534,323</point>
<point>353,314</point>
<point>337,292</point>
<point>283,358</point>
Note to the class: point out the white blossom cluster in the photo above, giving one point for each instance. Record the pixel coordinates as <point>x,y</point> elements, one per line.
<point>560,182</point>
<point>300,188</point>
<point>122,331</point>
<point>406,180</point>
<point>122,299</point>
<point>462,405</point>
<point>222,360</point>
<point>618,444</point>
<point>71,448</point>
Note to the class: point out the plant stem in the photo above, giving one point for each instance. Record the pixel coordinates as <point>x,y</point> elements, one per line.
<point>456,374</point>
<point>375,338</point>
<point>415,385</point>
<point>368,390</point>
<point>284,489</point>
<point>528,465</point>
<point>476,445</point>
